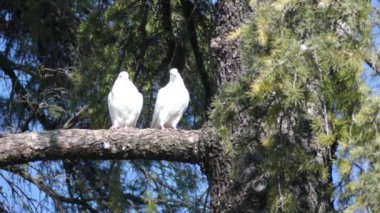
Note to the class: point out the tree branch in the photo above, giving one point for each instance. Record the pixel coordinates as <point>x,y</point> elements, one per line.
<point>73,120</point>
<point>43,187</point>
<point>8,68</point>
<point>188,9</point>
<point>373,65</point>
<point>148,144</point>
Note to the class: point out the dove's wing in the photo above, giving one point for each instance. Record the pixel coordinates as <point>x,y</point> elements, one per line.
<point>135,103</point>
<point>113,104</point>
<point>139,105</point>
<point>130,103</point>
<point>111,109</point>
<point>182,101</point>
<point>161,100</point>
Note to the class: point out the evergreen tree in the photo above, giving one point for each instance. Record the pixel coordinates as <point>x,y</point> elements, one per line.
<point>291,107</point>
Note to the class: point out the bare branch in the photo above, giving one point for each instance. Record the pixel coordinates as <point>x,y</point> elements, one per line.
<point>149,144</point>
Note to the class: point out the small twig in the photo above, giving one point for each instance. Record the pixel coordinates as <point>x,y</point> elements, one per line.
<point>69,123</point>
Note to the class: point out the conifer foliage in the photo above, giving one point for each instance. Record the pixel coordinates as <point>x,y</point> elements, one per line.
<point>302,105</point>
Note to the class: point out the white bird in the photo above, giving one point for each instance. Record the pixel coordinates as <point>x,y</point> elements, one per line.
<point>172,101</point>
<point>124,102</point>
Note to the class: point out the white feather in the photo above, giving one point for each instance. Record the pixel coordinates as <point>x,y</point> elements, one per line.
<point>124,102</point>
<point>172,101</point>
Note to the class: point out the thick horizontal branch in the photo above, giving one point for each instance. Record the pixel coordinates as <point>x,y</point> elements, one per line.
<point>127,144</point>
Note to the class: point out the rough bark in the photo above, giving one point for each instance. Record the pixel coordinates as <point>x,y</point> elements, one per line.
<point>216,164</point>
<point>230,15</point>
<point>149,144</point>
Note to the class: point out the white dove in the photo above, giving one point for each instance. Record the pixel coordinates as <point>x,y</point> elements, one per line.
<point>172,101</point>
<point>124,102</point>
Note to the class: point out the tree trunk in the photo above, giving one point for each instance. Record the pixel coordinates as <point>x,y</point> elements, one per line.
<point>230,14</point>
